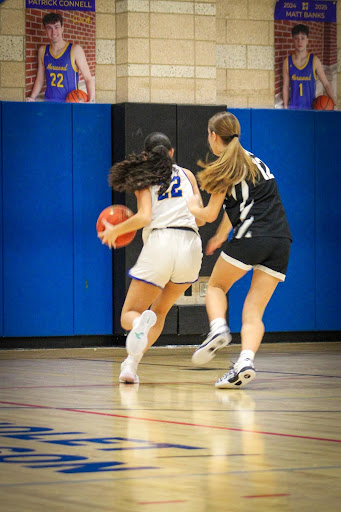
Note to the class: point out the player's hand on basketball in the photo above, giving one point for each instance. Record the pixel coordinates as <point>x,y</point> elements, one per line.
<point>108,236</point>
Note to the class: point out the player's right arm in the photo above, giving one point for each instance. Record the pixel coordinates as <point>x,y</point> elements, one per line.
<point>322,76</point>
<point>40,78</point>
<point>285,89</point>
<point>220,236</point>
<point>142,218</point>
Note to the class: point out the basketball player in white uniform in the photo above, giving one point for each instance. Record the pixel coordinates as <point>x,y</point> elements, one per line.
<point>171,257</point>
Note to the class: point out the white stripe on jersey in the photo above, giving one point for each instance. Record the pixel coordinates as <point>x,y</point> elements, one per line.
<point>263,168</point>
<point>245,211</point>
<point>244,227</point>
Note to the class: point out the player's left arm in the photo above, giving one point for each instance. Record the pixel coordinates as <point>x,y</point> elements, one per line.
<point>196,192</point>
<point>82,65</point>
<point>141,219</point>
<point>322,76</point>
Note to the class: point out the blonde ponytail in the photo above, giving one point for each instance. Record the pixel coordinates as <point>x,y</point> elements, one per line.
<point>234,164</point>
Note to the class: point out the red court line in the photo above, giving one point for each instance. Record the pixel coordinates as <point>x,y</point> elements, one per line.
<point>169,422</point>
<point>266,495</point>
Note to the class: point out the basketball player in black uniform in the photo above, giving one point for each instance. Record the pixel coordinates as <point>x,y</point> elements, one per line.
<point>245,187</point>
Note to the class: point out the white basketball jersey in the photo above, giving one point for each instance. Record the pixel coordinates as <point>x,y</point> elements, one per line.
<point>170,209</point>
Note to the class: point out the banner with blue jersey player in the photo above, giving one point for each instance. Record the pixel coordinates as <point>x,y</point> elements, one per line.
<point>305,53</point>
<point>60,50</point>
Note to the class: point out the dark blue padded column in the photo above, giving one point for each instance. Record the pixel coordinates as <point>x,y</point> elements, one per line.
<point>92,260</point>
<point>328,220</point>
<point>37,219</point>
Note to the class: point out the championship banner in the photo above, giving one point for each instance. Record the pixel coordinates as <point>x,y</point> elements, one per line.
<point>63,5</point>
<point>306,11</point>
<point>305,54</point>
<point>60,50</point>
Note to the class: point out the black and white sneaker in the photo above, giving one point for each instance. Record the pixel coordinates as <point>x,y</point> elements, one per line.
<point>240,374</point>
<point>215,340</point>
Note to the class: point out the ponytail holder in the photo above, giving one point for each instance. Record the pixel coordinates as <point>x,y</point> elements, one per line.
<point>234,135</point>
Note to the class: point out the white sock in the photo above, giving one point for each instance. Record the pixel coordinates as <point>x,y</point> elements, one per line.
<point>135,359</point>
<point>246,354</point>
<point>218,322</point>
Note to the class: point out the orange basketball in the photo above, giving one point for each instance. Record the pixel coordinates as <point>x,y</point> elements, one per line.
<point>115,214</point>
<point>323,103</point>
<point>77,96</point>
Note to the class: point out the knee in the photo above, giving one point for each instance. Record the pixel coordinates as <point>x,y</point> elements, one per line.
<point>214,286</point>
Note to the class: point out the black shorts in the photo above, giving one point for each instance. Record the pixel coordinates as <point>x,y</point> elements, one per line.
<point>266,253</point>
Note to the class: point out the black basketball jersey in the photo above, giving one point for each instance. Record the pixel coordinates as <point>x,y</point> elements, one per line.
<point>257,209</point>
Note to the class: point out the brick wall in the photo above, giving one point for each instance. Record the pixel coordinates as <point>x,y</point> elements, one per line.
<point>79,27</point>
<point>322,42</point>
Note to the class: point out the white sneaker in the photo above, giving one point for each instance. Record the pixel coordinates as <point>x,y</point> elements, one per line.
<point>128,371</point>
<point>215,340</point>
<point>240,374</point>
<point>137,339</point>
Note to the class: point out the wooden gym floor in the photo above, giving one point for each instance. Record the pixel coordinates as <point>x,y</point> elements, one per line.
<point>74,439</point>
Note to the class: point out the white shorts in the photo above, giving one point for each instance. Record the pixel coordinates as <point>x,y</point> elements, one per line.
<point>169,255</point>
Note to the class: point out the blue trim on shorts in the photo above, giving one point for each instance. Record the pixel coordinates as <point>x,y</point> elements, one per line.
<point>186,282</point>
<point>144,281</point>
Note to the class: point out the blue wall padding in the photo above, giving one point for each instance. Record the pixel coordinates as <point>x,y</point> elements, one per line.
<point>1,244</point>
<point>56,276</point>
<point>328,220</point>
<point>285,141</point>
<point>37,219</point>
<point>91,193</point>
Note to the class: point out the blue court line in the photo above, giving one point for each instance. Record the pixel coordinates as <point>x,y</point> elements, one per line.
<point>180,475</point>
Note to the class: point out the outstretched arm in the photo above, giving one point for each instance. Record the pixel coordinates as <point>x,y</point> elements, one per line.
<point>208,213</point>
<point>141,219</point>
<point>83,67</point>
<point>196,192</point>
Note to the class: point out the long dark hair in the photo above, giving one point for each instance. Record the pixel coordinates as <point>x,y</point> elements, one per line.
<point>151,167</point>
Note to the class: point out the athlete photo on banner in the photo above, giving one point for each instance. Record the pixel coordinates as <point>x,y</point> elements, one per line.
<point>60,50</point>
<point>305,54</point>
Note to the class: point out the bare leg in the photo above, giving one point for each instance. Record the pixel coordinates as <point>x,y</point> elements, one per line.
<point>224,275</point>
<point>262,287</point>
<point>139,297</point>
<point>161,305</point>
